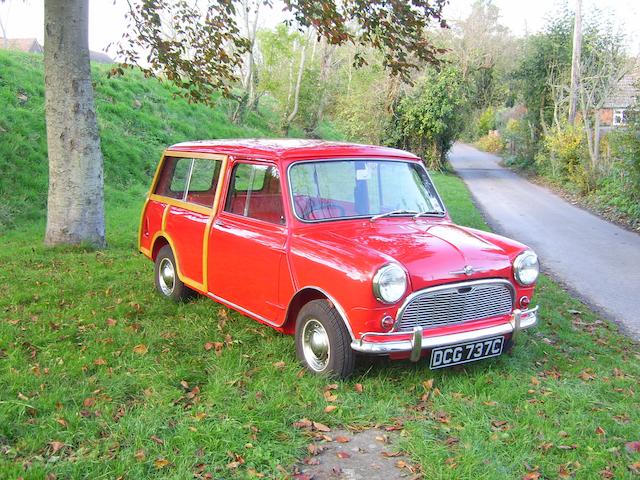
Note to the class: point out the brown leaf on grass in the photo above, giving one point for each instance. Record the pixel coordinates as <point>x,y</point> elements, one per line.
<point>442,417</point>
<point>545,446</point>
<point>451,441</point>
<point>160,463</point>
<point>632,447</point>
<point>401,464</point>
<point>157,440</point>
<point>279,365</point>
<point>331,386</point>
<point>140,349</point>
<point>140,455</point>
<point>428,384</point>
<point>301,373</point>
<point>535,381</point>
<point>587,375</point>
<point>330,408</point>
<point>315,449</point>
<point>62,422</point>
<point>111,322</point>
<point>184,384</point>
<point>343,455</point>
<point>23,397</point>
<point>358,387</point>
<point>501,425</point>
<point>99,361</point>
<point>89,402</point>
<point>600,431</point>
<point>321,427</point>
<point>56,446</point>
<point>564,472</point>
<point>342,439</point>
<point>606,473</point>
<point>329,397</point>
<point>304,423</point>
<point>490,403</point>
<point>635,468</point>
<point>535,475</point>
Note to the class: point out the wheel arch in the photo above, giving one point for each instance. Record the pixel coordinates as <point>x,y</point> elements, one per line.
<point>304,296</point>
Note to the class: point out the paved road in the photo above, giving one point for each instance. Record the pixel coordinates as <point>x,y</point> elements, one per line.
<point>596,259</point>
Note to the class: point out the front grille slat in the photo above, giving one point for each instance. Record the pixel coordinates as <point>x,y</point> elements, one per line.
<point>462,302</point>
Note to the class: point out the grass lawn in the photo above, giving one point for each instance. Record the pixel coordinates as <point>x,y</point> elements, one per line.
<point>101,378</point>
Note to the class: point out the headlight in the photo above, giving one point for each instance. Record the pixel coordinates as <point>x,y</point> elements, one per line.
<point>526,268</point>
<point>389,283</point>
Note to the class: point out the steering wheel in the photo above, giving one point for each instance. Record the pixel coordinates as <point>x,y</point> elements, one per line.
<point>324,208</point>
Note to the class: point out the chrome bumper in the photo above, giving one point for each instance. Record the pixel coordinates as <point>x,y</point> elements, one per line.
<point>520,319</point>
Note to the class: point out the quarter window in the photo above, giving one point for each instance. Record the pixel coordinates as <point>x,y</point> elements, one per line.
<point>255,192</point>
<point>192,180</point>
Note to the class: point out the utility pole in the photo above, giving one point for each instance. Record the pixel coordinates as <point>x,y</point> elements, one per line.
<point>575,63</point>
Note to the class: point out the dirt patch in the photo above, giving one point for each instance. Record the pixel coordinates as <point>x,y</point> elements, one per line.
<point>346,455</point>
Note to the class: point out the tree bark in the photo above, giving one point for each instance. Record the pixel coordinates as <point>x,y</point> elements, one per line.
<point>575,63</point>
<point>296,92</point>
<point>75,209</point>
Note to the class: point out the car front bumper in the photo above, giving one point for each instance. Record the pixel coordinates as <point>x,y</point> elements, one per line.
<point>386,343</point>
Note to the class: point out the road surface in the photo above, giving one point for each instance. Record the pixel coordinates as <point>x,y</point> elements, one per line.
<point>597,260</point>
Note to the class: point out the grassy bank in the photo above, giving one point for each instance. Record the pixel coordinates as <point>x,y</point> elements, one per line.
<point>137,117</point>
<point>102,378</point>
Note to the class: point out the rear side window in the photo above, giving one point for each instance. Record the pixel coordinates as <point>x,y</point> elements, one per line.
<point>255,192</point>
<point>192,180</point>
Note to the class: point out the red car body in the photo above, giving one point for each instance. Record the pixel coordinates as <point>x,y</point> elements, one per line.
<point>268,270</point>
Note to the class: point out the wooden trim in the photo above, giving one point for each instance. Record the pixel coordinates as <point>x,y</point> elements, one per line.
<point>174,202</point>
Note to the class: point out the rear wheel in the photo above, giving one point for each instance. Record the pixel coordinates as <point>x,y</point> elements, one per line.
<point>166,277</point>
<point>323,343</point>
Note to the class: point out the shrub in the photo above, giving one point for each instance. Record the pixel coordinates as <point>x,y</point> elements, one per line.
<point>486,122</point>
<point>492,142</point>
<point>564,156</point>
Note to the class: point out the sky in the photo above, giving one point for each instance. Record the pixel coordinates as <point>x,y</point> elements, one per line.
<point>25,18</point>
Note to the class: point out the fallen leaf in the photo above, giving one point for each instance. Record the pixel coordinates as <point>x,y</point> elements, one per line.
<point>330,397</point>
<point>587,375</point>
<point>62,421</point>
<point>442,417</point>
<point>161,463</point>
<point>535,381</point>
<point>304,423</point>
<point>111,322</point>
<point>279,365</point>
<point>200,416</point>
<point>428,384</point>
<point>157,440</point>
<point>342,439</point>
<point>600,431</point>
<point>632,447</point>
<point>100,361</point>
<point>343,455</point>
<point>140,455</point>
<point>330,408</point>
<point>401,464</point>
<point>331,386</point>
<point>531,476</point>
<point>56,447</point>
<point>141,350</point>
<point>321,427</point>
<point>391,454</point>
<point>490,403</point>
<point>358,387</point>
<point>635,468</point>
<point>89,402</point>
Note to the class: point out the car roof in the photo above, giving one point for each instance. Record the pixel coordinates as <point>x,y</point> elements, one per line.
<point>289,149</point>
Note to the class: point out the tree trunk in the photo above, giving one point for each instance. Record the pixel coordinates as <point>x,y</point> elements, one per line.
<point>75,209</point>
<point>575,63</point>
<point>296,92</point>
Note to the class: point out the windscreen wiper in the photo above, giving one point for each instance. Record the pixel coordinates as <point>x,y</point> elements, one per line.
<point>427,213</point>
<point>394,212</point>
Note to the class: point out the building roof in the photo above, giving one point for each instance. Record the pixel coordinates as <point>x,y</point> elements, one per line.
<point>22,44</point>
<point>289,149</point>
<point>624,96</point>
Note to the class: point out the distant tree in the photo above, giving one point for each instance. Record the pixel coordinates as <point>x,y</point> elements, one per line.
<point>428,120</point>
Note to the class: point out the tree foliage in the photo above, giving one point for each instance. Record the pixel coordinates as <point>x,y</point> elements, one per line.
<point>201,49</point>
<point>428,120</point>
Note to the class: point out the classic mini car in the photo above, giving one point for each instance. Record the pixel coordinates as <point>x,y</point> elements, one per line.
<point>349,247</point>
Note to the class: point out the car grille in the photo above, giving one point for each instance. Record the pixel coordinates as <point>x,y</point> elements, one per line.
<point>457,303</point>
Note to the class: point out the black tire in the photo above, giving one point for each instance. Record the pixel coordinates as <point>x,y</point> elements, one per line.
<point>177,291</point>
<point>320,319</point>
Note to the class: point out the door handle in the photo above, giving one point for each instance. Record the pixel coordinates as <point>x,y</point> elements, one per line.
<point>221,224</point>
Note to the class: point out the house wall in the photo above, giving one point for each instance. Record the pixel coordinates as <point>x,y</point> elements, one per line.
<point>606,117</point>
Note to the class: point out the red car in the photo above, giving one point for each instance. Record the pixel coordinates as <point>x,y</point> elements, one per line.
<point>349,247</point>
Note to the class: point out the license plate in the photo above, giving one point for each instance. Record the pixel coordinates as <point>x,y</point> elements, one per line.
<point>466,352</point>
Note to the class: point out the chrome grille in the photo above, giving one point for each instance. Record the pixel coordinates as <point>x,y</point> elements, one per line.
<point>456,303</point>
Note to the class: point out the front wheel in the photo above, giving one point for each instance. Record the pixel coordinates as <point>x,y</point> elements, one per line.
<point>166,277</point>
<point>323,343</point>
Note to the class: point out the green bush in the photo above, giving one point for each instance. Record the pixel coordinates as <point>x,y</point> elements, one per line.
<point>492,142</point>
<point>486,122</point>
<point>564,156</point>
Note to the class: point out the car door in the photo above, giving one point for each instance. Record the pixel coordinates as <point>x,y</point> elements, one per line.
<point>187,187</point>
<point>247,260</point>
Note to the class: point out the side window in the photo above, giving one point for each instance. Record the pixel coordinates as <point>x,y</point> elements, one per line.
<point>173,177</point>
<point>192,180</point>
<point>255,192</point>
<point>203,181</point>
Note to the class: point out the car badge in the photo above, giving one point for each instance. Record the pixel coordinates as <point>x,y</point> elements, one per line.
<point>468,270</point>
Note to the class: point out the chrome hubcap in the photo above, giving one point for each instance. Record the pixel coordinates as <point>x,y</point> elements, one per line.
<point>315,345</point>
<point>166,276</point>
